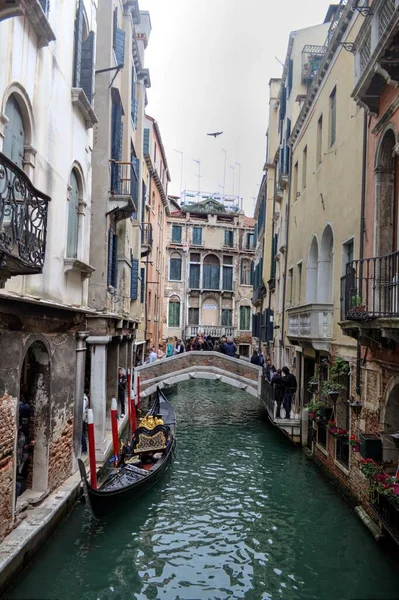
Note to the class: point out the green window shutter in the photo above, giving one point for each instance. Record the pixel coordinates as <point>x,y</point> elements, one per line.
<point>146,141</point>
<point>14,140</point>
<point>175,269</point>
<point>174,314</point>
<point>78,44</point>
<point>227,278</point>
<point>134,279</point>
<point>245,318</point>
<point>193,316</point>
<point>227,317</point>
<point>194,276</point>
<point>142,287</point>
<point>118,41</point>
<point>87,66</point>
<point>176,234</point>
<point>197,235</point>
<point>72,236</point>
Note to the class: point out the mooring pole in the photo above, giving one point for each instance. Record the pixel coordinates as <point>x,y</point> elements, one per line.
<point>138,392</point>
<point>129,406</point>
<point>114,423</point>
<point>92,449</point>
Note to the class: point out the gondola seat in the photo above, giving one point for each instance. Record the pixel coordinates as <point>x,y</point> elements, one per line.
<point>150,440</point>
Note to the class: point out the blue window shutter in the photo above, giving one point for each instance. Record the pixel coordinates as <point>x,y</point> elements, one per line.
<point>116,144</point>
<point>146,141</point>
<point>78,44</point>
<point>142,289</point>
<point>112,274</point>
<point>134,187</point>
<point>134,280</point>
<point>119,46</point>
<point>87,66</point>
<point>227,278</point>
<point>175,269</point>
<point>197,235</point>
<point>194,276</point>
<point>133,108</point>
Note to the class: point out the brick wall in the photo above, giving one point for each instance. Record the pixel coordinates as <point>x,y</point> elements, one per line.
<point>8,408</point>
<point>61,456</point>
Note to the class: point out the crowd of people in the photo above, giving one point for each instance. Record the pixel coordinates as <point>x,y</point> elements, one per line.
<point>174,346</point>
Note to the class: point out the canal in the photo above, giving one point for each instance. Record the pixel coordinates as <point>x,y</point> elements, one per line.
<point>242,513</point>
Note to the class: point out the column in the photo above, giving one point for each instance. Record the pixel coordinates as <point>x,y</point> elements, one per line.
<point>113,365</point>
<point>98,390</point>
<point>81,348</point>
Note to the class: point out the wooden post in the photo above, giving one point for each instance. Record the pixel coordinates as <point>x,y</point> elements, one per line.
<point>114,423</point>
<point>92,448</point>
<point>129,406</point>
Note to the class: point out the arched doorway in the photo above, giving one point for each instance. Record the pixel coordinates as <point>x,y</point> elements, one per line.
<point>311,272</point>
<point>34,420</point>
<point>387,192</point>
<point>325,269</point>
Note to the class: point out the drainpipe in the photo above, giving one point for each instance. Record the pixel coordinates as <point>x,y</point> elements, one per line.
<point>272,258</point>
<point>286,251</point>
<point>361,240</point>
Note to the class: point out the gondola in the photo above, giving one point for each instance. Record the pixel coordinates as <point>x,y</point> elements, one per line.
<point>141,465</point>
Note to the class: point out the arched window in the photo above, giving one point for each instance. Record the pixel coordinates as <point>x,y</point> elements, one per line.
<point>311,272</point>
<point>174,312</point>
<point>325,270</point>
<point>175,267</point>
<point>73,216</point>
<point>245,275</point>
<point>14,133</point>
<point>211,273</point>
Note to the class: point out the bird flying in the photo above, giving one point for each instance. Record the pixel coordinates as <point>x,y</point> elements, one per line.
<point>215,134</point>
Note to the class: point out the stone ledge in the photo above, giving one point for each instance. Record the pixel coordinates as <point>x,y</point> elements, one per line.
<point>80,100</point>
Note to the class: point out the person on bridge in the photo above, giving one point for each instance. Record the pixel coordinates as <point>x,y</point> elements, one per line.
<point>231,348</point>
<point>255,357</point>
<point>290,387</point>
<point>278,385</point>
<point>160,353</point>
<point>153,355</point>
<point>169,348</point>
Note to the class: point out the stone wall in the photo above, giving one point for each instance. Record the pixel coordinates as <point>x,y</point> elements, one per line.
<point>8,409</point>
<point>167,366</point>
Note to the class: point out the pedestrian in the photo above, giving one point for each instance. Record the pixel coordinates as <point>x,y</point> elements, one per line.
<point>261,359</point>
<point>255,357</point>
<point>269,369</point>
<point>208,343</point>
<point>290,387</point>
<point>160,353</point>
<point>278,386</point>
<point>231,348</point>
<point>169,348</point>
<point>222,345</point>
<point>153,355</point>
<point>121,390</point>
<point>84,423</point>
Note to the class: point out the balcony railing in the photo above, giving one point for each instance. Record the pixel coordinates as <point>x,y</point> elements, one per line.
<point>123,180</point>
<point>215,331</point>
<point>258,293</point>
<point>146,234</point>
<point>311,59</point>
<point>370,288</point>
<point>311,322</point>
<point>23,223</point>
<point>386,510</point>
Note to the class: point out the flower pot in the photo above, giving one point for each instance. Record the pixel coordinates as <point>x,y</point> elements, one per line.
<point>396,488</point>
<point>333,430</point>
<point>311,415</point>
<point>356,448</point>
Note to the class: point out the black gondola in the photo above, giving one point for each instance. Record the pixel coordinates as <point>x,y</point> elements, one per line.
<point>129,481</point>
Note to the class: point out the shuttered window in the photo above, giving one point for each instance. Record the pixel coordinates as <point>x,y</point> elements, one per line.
<point>134,184</point>
<point>197,236</point>
<point>14,134</point>
<point>116,144</point>
<point>245,275</point>
<point>245,318</point>
<point>118,41</point>
<point>194,276</point>
<point>142,287</point>
<point>193,316</point>
<point>211,273</point>
<point>227,317</point>
<point>83,75</point>
<point>227,278</point>
<point>112,277</point>
<point>175,268</point>
<point>333,116</point>
<point>146,141</point>
<point>174,312</point>
<point>134,102</point>
<point>229,238</point>
<point>134,278</point>
<point>45,4</point>
<point>289,76</point>
<point>73,205</point>
<point>176,234</point>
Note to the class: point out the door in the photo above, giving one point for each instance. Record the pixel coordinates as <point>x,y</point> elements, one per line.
<point>14,135</point>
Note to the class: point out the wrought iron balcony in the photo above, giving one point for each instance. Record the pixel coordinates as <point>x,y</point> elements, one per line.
<point>376,52</point>
<point>146,238</point>
<point>216,331</point>
<point>386,509</point>
<point>124,187</point>
<point>23,223</point>
<point>258,293</point>
<point>311,59</point>
<point>312,323</point>
<point>370,289</point>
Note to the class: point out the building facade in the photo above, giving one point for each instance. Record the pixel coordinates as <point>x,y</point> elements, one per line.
<point>155,209</point>
<point>46,95</point>
<point>208,289</point>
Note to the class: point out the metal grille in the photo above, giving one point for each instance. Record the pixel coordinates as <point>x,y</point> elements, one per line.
<point>365,51</point>
<point>385,15</point>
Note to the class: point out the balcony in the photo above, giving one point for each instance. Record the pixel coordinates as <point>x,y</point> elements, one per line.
<point>146,239</point>
<point>386,509</point>
<point>311,59</point>
<point>215,331</point>
<point>23,223</point>
<point>312,325</point>
<point>124,188</point>
<point>376,53</point>
<point>258,294</point>
<point>370,296</point>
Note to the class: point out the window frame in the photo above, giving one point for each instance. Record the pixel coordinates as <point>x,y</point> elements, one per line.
<point>333,116</point>
<point>304,167</point>
<point>249,328</point>
<point>229,233</point>
<point>174,300</point>
<point>175,226</point>
<point>196,229</point>
<point>319,141</point>
<point>178,257</point>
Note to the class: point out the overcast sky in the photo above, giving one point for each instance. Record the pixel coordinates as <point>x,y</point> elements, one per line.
<point>210,63</point>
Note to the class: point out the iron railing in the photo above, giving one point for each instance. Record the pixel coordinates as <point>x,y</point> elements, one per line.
<point>370,288</point>
<point>387,511</point>
<point>123,179</point>
<point>23,222</point>
<point>146,234</point>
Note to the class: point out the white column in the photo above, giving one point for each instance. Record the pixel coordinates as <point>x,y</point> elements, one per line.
<point>98,390</point>
<point>79,391</point>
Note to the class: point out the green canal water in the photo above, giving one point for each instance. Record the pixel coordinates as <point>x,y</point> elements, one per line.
<point>240,514</point>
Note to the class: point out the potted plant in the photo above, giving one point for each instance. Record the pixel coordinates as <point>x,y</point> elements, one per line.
<point>341,433</point>
<point>332,426</point>
<point>313,408</point>
<point>356,304</point>
<point>370,468</point>
<point>354,441</point>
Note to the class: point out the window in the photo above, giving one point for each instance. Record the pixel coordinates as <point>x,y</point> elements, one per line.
<point>149,304</point>
<point>134,102</point>
<point>14,133</point>
<point>73,216</point>
<point>250,241</point>
<point>142,288</point>
<point>347,255</point>
<point>193,316</point>
<point>227,283</point>
<point>290,285</point>
<point>176,234</point>
<point>333,116</point>
<point>134,278</point>
<point>289,76</point>
<point>155,153</point>
<point>304,167</point>
<point>319,141</point>
<point>175,267</point>
<point>211,273</point>
<point>194,281</point>
<point>174,312</point>
<point>229,238</point>
<point>299,282</point>
<point>153,208</point>
<point>197,236</point>
<point>146,141</point>
<point>245,275</point>
<point>295,182</point>
<point>116,140</point>
<point>118,40</point>
<point>245,318</point>
<point>227,317</point>
<point>112,273</point>
<point>83,67</point>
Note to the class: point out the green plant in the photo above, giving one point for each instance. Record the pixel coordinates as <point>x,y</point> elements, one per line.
<point>340,368</point>
<point>314,405</point>
<point>312,383</point>
<point>355,301</point>
<point>370,468</point>
<point>328,387</point>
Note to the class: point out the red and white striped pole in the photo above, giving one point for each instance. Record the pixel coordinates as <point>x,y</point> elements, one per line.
<point>92,449</point>
<point>114,424</point>
<point>138,392</point>
<point>129,406</point>
<point>133,413</point>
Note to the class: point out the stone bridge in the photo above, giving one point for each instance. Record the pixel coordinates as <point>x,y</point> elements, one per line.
<point>199,365</point>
